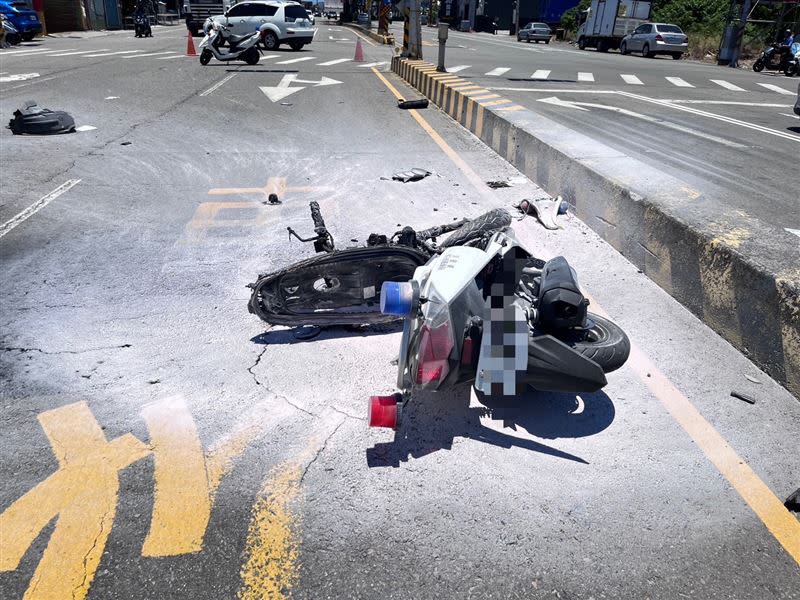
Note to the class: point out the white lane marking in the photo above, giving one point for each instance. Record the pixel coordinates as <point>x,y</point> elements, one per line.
<point>775,88</point>
<point>111,98</point>
<point>375,64</point>
<point>541,74</point>
<point>728,85</point>
<point>171,57</point>
<point>26,51</point>
<point>631,79</point>
<point>85,128</point>
<point>498,71</point>
<point>457,68</point>
<point>295,60</point>
<point>18,77</point>
<point>647,118</point>
<point>80,52</point>
<point>41,52</point>
<point>731,103</point>
<point>37,206</point>
<point>788,115</point>
<point>679,82</point>
<point>702,113</point>
<point>332,62</point>
<point>266,56</point>
<point>794,231</point>
<point>282,90</point>
<point>111,53</point>
<point>218,84</point>
<point>588,77</point>
<point>149,54</point>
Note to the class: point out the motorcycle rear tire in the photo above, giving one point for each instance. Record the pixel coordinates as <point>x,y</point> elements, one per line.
<point>205,56</point>
<point>494,220</point>
<point>252,56</point>
<point>790,70</point>
<point>758,66</point>
<point>604,342</point>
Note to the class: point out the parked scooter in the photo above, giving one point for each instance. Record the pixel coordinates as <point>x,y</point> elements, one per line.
<point>9,34</point>
<point>793,66</point>
<point>492,314</point>
<point>241,47</point>
<point>774,58</point>
<point>141,25</point>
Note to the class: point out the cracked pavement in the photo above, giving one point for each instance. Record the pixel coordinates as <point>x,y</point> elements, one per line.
<point>124,294</point>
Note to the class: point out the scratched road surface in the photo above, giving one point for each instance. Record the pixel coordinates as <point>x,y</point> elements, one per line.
<point>156,441</point>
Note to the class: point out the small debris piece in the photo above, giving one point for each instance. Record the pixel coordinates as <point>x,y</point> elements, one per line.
<point>753,379</point>
<point>745,397</point>
<point>498,184</point>
<point>286,104</point>
<point>273,199</point>
<point>412,175</point>
<point>544,209</point>
<point>409,104</point>
<point>125,144</point>
<point>793,501</point>
<point>154,381</point>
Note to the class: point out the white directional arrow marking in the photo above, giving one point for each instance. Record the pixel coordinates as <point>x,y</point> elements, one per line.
<point>20,77</point>
<point>282,90</point>
<point>624,111</point>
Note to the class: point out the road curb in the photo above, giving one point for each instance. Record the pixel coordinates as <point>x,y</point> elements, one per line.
<point>381,39</point>
<point>723,266</point>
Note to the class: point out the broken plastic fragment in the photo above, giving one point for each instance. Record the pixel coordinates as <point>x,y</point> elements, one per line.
<point>412,175</point>
<point>409,104</point>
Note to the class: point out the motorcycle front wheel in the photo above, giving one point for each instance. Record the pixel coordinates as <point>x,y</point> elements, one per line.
<point>602,341</point>
<point>758,66</point>
<point>205,56</point>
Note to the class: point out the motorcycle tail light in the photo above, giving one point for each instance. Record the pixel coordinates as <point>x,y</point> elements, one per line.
<point>434,350</point>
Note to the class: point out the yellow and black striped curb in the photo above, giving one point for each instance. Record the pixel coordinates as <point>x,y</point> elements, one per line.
<point>722,264</point>
<point>381,39</point>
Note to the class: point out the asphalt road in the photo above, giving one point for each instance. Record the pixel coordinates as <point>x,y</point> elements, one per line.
<point>158,441</point>
<point>730,133</point>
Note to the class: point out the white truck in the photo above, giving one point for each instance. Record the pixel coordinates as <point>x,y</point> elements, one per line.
<point>608,21</point>
<point>196,13</point>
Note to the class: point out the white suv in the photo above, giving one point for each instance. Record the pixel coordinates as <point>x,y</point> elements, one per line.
<point>279,22</point>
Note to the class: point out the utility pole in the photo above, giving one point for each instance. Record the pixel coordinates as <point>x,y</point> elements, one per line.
<point>412,29</point>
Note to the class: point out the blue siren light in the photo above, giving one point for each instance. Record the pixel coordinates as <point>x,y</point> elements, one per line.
<point>397,298</point>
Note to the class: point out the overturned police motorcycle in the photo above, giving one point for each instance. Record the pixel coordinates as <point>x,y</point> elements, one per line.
<point>491,314</point>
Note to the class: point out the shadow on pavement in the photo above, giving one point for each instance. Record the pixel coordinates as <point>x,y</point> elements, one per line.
<point>295,335</point>
<point>432,421</point>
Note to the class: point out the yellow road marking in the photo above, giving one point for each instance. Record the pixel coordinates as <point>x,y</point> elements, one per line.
<point>463,166</point>
<point>369,41</point>
<point>182,506</point>
<point>82,493</point>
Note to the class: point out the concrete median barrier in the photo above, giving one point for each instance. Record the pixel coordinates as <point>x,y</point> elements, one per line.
<point>734,272</point>
<point>381,39</point>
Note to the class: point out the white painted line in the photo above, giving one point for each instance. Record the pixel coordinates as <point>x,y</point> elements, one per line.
<point>730,103</point>
<point>728,85</point>
<point>457,68</point>
<point>333,62</point>
<point>111,53</point>
<point>218,84</point>
<point>541,74</point>
<point>26,51</point>
<point>788,115</point>
<point>18,77</point>
<point>85,128</point>
<point>375,64</point>
<point>498,71</point>
<point>775,88</point>
<point>549,91</point>
<point>37,206</point>
<point>171,57</point>
<point>80,52</point>
<point>631,79</point>
<point>679,82</point>
<point>295,60</point>
<point>111,98</point>
<point>588,77</point>
<point>150,54</point>
<point>266,56</point>
<point>42,52</point>
<point>794,231</point>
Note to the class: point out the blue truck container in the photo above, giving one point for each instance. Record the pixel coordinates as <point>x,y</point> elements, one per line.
<point>22,17</point>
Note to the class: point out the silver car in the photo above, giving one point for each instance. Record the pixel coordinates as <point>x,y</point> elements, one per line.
<point>656,38</point>
<point>538,32</point>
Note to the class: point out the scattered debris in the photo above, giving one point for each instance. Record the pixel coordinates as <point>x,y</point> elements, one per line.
<point>412,175</point>
<point>409,104</point>
<point>753,379</point>
<point>286,104</point>
<point>793,501</point>
<point>272,199</point>
<point>154,381</point>
<point>545,210</point>
<point>34,120</point>
<point>125,143</point>
<point>498,184</point>
<point>745,397</point>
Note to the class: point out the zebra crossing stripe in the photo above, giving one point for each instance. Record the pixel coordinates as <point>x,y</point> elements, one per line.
<point>541,74</point>
<point>295,60</point>
<point>631,79</point>
<point>149,54</point>
<point>333,62</point>
<point>775,88</point>
<point>588,77</point>
<point>727,85</point>
<point>111,53</point>
<point>498,71</point>
<point>679,82</point>
<point>457,68</point>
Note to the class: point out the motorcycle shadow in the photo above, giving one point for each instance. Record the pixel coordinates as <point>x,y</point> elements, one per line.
<point>432,422</point>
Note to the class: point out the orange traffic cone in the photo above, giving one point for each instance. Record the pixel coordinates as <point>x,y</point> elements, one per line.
<point>359,52</point>
<point>190,51</point>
